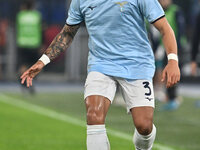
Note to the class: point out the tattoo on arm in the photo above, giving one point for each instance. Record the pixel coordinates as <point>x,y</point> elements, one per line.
<point>62,41</point>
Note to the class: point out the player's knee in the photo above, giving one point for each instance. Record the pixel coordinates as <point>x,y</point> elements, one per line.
<point>94,116</point>
<point>144,127</point>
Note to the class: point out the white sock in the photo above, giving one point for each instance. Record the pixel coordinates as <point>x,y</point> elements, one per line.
<point>144,142</point>
<point>97,138</point>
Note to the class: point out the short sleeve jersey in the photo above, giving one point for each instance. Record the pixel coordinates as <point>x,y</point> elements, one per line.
<point>118,41</point>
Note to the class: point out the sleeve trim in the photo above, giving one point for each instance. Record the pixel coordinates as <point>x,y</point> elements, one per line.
<point>157,19</point>
<point>72,24</point>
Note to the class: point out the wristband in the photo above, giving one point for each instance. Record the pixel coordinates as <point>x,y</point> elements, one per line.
<point>172,56</point>
<point>45,59</point>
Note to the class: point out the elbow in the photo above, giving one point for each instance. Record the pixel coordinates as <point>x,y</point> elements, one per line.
<point>167,31</point>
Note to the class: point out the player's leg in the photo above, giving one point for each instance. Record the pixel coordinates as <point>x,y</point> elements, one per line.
<point>145,131</point>
<point>99,93</point>
<point>139,98</point>
<point>97,108</point>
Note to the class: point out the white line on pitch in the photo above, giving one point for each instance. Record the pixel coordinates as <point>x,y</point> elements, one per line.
<point>66,118</point>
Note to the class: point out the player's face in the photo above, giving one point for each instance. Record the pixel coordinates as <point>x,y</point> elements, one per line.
<point>165,3</point>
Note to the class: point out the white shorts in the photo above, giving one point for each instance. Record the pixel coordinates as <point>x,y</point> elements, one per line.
<point>136,93</point>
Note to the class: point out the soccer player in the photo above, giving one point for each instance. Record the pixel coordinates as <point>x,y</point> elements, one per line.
<point>119,53</point>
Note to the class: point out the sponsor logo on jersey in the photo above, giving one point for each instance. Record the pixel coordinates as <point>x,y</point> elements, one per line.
<point>92,7</point>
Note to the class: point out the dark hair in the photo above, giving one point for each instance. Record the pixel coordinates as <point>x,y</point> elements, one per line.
<point>28,4</point>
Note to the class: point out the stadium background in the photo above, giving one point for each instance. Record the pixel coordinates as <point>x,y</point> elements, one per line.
<point>54,117</point>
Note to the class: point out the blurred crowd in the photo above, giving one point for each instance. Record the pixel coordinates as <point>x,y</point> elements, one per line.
<point>36,23</point>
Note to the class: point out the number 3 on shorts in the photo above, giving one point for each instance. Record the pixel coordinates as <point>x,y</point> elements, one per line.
<point>146,85</point>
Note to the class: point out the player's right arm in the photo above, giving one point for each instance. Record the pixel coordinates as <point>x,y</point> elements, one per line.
<point>60,43</point>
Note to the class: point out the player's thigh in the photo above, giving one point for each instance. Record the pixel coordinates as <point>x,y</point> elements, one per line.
<point>99,93</point>
<point>100,84</point>
<point>97,107</point>
<point>139,98</point>
<point>137,93</point>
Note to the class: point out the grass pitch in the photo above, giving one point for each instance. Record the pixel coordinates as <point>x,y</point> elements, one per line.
<point>24,129</point>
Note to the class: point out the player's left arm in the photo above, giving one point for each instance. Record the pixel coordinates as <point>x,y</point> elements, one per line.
<point>171,72</point>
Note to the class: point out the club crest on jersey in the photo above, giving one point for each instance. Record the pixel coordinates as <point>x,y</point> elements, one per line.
<point>121,5</point>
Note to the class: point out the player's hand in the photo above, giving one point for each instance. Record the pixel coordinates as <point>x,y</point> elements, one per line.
<point>31,73</point>
<point>194,68</point>
<point>171,73</point>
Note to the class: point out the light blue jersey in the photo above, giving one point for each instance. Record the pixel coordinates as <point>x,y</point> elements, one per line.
<point>118,42</point>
